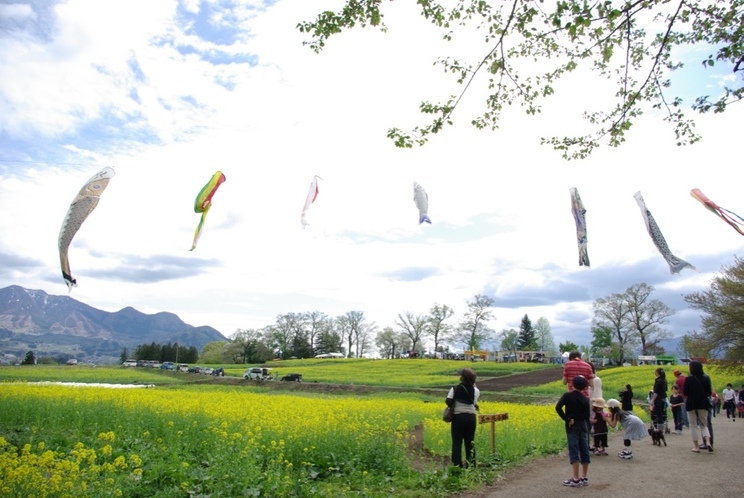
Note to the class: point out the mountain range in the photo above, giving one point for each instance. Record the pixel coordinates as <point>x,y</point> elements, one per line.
<point>60,325</point>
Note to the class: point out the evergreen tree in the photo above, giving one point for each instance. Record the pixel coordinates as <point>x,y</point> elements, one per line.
<point>526,335</point>
<point>30,359</point>
<point>124,355</point>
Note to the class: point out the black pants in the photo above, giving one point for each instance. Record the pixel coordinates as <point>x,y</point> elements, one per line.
<point>463,431</point>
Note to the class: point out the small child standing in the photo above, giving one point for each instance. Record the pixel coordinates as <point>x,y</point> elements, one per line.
<point>677,402</point>
<point>576,417</point>
<point>598,419</point>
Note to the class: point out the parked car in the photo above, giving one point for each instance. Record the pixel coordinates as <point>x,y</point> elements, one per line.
<point>142,363</point>
<point>72,361</point>
<point>293,377</point>
<point>154,364</point>
<point>130,363</point>
<point>195,369</point>
<point>183,367</point>
<point>207,371</point>
<point>257,373</point>
<point>167,365</point>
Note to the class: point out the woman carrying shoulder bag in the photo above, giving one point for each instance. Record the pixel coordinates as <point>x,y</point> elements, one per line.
<point>463,398</point>
<point>698,390</point>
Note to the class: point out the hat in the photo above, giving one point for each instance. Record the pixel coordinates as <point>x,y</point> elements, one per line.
<point>677,373</point>
<point>579,382</point>
<point>599,402</point>
<point>468,374</point>
<point>613,403</point>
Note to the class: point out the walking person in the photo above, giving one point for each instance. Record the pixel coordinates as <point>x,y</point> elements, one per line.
<point>573,408</point>
<point>679,381</point>
<point>659,398</point>
<point>463,398</point>
<point>634,428</point>
<point>698,390</point>
<point>729,402</point>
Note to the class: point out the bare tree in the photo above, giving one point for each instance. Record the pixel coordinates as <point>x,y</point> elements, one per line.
<point>612,313</point>
<point>646,316</point>
<point>439,330</point>
<point>390,343</point>
<point>364,334</point>
<point>414,326</point>
<point>473,329</point>
<point>316,321</point>
<point>343,329</point>
<point>354,320</point>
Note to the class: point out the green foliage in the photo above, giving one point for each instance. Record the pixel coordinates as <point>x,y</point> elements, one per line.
<point>722,331</point>
<point>635,44</point>
<point>212,353</point>
<point>567,347</point>
<point>602,339</point>
<point>29,359</point>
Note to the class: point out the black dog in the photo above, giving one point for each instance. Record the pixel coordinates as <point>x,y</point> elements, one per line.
<point>657,436</point>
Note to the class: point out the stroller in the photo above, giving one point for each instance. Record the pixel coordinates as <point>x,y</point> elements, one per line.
<point>659,426</point>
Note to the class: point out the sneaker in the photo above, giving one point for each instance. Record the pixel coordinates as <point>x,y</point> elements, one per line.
<point>584,481</point>
<point>626,454</point>
<point>574,483</point>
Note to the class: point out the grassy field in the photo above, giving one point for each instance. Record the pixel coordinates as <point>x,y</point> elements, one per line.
<point>178,440</point>
<point>391,373</point>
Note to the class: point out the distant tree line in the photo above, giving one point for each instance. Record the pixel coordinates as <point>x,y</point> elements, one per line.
<point>161,353</point>
<point>308,334</point>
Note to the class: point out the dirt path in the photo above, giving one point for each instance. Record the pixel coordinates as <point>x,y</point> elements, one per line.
<point>654,471</point>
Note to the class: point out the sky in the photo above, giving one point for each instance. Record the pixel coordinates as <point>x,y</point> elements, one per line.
<point>169,92</point>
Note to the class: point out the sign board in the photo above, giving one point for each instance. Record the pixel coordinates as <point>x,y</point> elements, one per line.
<point>495,417</point>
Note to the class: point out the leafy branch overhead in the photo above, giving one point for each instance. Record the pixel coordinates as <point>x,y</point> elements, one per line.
<point>628,42</point>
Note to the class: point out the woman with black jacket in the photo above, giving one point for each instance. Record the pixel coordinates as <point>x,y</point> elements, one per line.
<point>463,398</point>
<point>698,390</point>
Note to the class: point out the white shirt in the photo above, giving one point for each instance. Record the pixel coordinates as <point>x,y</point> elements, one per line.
<point>462,407</point>
<point>596,391</point>
<point>728,394</point>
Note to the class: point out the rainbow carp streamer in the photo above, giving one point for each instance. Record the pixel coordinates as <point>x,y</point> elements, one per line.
<point>204,201</point>
<point>579,214</point>
<point>733,219</point>
<point>80,208</point>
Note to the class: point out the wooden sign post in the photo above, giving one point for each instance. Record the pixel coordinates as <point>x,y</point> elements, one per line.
<point>493,418</point>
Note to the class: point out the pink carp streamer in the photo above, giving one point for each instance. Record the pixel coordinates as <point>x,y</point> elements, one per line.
<point>311,196</point>
<point>733,219</point>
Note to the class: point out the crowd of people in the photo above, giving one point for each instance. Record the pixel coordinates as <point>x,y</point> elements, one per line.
<point>588,416</point>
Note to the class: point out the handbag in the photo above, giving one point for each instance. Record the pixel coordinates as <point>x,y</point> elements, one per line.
<point>449,412</point>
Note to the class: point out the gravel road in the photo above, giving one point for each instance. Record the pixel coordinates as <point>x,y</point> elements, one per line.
<point>654,471</point>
